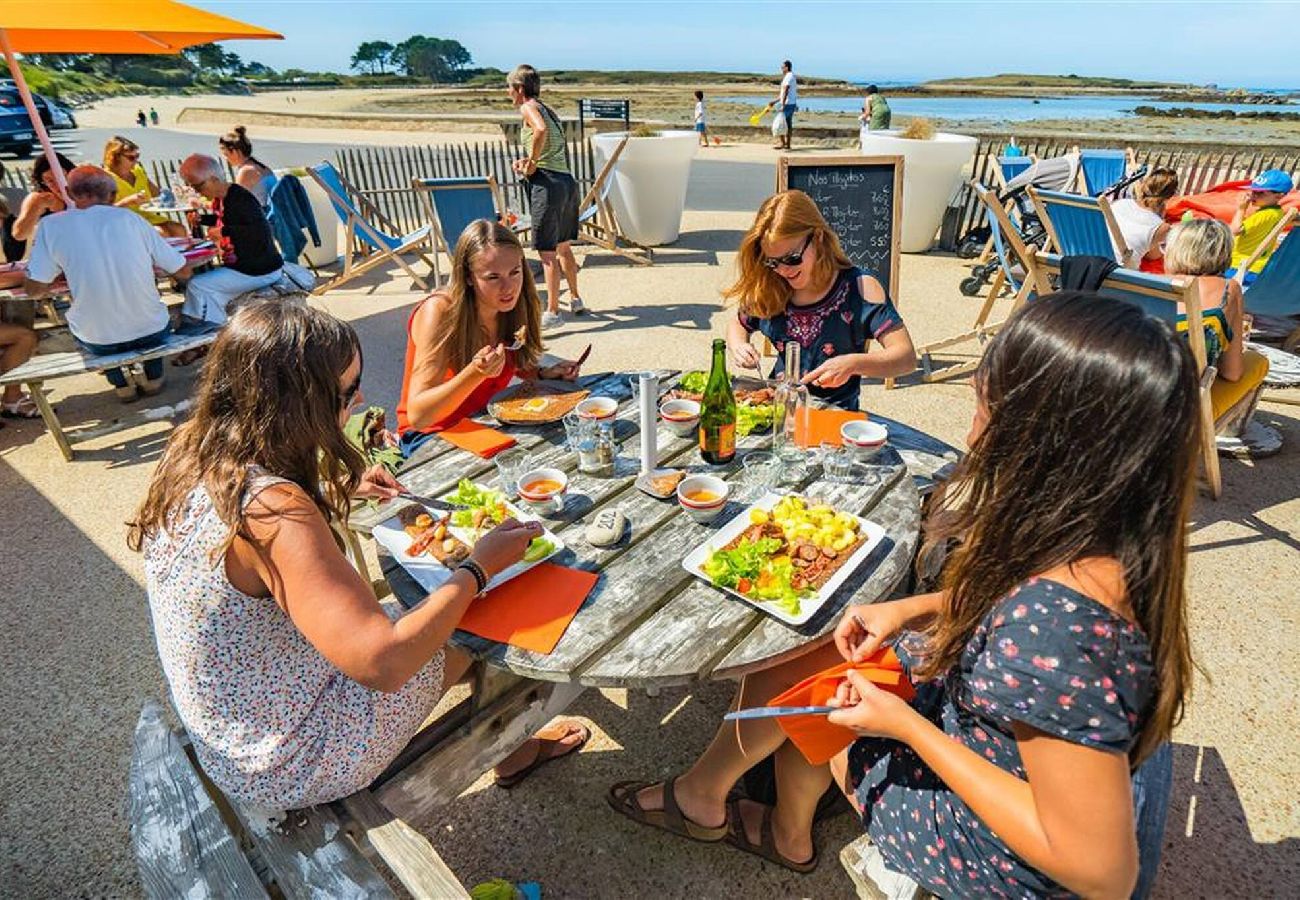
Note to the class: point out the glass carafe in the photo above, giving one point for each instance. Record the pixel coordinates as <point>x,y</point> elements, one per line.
<point>791,409</point>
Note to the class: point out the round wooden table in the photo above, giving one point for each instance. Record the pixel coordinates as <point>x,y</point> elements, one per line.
<point>648,622</point>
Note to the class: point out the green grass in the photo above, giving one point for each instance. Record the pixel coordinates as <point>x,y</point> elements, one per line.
<point>1015,79</point>
<point>556,77</point>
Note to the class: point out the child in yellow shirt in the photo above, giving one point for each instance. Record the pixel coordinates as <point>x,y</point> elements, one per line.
<point>1256,216</point>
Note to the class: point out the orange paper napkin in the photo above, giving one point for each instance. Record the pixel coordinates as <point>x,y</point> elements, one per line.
<point>817,739</point>
<point>823,425</point>
<point>480,439</point>
<point>530,612</point>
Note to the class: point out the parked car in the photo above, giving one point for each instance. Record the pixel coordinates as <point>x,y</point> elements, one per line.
<point>54,115</point>
<point>16,133</point>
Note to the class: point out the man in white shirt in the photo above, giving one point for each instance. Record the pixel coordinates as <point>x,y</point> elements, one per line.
<point>788,101</point>
<point>108,255</point>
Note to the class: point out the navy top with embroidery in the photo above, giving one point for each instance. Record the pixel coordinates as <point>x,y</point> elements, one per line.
<point>1046,656</point>
<point>840,322</point>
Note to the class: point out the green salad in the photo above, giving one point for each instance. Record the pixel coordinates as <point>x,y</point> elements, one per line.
<point>753,569</point>
<point>487,509</point>
<point>750,417</point>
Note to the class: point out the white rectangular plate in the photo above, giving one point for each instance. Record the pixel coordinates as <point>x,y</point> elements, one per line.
<point>429,572</point>
<point>809,606</point>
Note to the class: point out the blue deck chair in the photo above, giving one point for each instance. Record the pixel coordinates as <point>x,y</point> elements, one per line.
<point>1102,168</point>
<point>597,222</point>
<point>1081,226</point>
<point>1276,289</point>
<point>453,203</point>
<point>362,223</point>
<point>1159,296</point>
<point>1011,166</point>
<point>1015,259</point>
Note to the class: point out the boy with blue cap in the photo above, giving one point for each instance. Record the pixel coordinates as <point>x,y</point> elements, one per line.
<point>1256,216</point>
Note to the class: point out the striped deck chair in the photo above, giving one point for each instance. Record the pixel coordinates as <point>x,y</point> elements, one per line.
<point>1159,296</point>
<point>453,203</point>
<point>1081,226</point>
<point>1276,289</point>
<point>597,222</point>
<point>1102,168</point>
<point>1016,260</point>
<point>362,221</point>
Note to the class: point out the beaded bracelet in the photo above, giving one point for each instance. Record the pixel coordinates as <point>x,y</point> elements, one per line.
<point>474,569</point>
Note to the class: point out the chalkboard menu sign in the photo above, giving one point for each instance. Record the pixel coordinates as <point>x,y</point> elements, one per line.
<point>861,198</point>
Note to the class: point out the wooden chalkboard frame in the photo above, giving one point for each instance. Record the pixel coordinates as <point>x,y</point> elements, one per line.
<point>786,163</point>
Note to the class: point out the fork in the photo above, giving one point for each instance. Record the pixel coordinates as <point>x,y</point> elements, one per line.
<point>519,339</point>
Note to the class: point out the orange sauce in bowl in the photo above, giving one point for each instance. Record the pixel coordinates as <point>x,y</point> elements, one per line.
<point>542,486</point>
<point>702,496</point>
<point>676,416</point>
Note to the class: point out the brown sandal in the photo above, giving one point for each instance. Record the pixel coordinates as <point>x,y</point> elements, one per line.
<point>622,797</point>
<point>546,752</point>
<point>766,847</point>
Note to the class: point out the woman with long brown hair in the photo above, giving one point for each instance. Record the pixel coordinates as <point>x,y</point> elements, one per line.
<point>294,685</point>
<point>1054,660</point>
<point>467,341</point>
<point>795,283</point>
<point>1141,219</point>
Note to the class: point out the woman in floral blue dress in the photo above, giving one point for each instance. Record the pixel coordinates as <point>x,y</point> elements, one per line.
<point>1052,663</point>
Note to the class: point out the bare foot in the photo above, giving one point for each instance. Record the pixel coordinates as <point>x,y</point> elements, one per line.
<point>702,811</point>
<point>557,739</point>
<point>794,845</point>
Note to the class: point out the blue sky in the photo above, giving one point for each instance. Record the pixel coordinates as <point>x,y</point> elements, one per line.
<point>1185,40</point>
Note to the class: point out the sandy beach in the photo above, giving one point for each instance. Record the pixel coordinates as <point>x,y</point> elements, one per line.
<point>80,658</point>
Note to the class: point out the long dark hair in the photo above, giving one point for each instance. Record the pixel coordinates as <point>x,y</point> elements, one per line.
<point>268,396</point>
<point>1089,450</point>
<point>42,165</point>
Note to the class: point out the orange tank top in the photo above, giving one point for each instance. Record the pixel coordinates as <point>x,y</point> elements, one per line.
<point>475,403</point>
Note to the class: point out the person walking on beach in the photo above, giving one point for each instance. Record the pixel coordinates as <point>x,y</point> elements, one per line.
<point>787,102</point>
<point>701,128</point>
<point>153,116</point>
<point>876,114</point>
<point>141,119</point>
<point>553,194</point>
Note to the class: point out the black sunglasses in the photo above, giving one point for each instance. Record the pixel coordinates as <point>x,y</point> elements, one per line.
<point>349,396</point>
<point>790,259</point>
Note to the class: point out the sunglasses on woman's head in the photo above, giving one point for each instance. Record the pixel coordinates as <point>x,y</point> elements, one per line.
<point>790,259</point>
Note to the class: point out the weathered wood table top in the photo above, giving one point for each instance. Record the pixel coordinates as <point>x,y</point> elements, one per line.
<point>648,621</point>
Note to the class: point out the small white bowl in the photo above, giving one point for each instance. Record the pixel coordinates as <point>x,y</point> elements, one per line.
<point>864,437</point>
<point>597,408</point>
<point>681,416</point>
<point>544,502</point>
<point>703,510</point>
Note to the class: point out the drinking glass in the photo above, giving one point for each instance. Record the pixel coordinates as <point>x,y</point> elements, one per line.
<point>634,379</point>
<point>837,462</point>
<point>575,428</point>
<point>762,472</point>
<point>511,464</point>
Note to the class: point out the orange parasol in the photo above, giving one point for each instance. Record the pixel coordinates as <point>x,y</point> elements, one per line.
<point>96,26</point>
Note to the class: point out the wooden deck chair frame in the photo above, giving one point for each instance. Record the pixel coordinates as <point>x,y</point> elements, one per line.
<point>1179,290</point>
<point>1292,341</point>
<point>602,228</point>
<point>1001,186</point>
<point>371,256</point>
<point>1080,184</point>
<point>437,236</point>
<point>1108,214</point>
<point>982,330</point>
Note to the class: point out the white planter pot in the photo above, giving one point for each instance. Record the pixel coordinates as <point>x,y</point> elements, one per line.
<point>932,172</point>
<point>649,182</point>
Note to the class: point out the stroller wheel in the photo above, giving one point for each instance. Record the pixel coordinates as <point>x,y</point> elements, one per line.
<point>971,286</point>
<point>969,249</point>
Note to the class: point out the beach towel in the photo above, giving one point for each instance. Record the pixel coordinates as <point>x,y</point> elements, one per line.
<point>1219,202</point>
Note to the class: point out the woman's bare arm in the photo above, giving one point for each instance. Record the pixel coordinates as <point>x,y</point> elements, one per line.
<point>431,396</point>
<point>1231,362</point>
<point>34,205</point>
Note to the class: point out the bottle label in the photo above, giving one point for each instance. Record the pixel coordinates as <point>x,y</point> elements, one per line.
<point>719,439</point>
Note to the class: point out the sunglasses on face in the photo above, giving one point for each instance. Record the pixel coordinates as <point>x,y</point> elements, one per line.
<point>790,260</point>
<point>349,395</point>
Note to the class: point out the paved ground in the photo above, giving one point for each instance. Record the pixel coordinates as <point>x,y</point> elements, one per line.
<point>79,658</point>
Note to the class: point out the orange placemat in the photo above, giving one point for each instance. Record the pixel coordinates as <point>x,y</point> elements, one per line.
<point>823,425</point>
<point>480,439</point>
<point>530,612</point>
<point>817,739</point>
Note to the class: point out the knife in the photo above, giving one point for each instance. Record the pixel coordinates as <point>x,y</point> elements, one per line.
<point>771,712</point>
<point>583,358</point>
<point>432,502</point>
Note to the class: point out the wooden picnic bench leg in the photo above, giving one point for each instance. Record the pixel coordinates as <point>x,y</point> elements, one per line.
<point>51,420</point>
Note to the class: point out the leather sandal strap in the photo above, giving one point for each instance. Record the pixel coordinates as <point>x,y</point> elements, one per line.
<point>766,841</point>
<point>673,817</point>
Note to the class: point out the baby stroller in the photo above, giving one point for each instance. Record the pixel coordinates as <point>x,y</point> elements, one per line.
<point>1057,174</point>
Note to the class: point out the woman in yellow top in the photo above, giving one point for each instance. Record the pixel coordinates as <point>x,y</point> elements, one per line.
<point>134,189</point>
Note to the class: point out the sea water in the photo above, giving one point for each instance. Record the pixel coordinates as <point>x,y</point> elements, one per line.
<point>1011,109</point>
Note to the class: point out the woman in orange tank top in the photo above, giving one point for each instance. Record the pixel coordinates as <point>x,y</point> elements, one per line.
<point>457,340</point>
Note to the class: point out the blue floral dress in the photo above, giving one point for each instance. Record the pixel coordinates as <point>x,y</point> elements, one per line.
<point>1046,656</point>
<point>840,322</point>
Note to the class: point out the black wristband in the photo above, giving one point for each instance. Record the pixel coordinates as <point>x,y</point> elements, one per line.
<point>474,569</point>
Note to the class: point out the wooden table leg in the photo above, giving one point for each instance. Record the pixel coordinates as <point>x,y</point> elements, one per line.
<point>51,420</point>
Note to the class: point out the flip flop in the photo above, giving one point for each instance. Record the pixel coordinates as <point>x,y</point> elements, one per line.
<point>548,749</point>
<point>766,847</point>
<point>22,408</point>
<point>622,798</point>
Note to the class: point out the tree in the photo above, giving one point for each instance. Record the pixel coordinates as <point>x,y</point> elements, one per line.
<point>437,59</point>
<point>206,56</point>
<point>375,54</point>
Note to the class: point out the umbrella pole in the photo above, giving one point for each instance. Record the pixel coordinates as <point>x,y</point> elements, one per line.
<point>34,114</point>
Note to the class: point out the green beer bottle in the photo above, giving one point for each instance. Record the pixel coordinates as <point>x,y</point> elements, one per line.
<point>718,412</point>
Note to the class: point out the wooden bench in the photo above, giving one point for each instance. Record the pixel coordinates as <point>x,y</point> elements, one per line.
<point>873,881</point>
<point>189,841</point>
<point>45,367</point>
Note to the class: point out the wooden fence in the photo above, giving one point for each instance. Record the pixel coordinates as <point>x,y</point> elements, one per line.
<point>1199,168</point>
